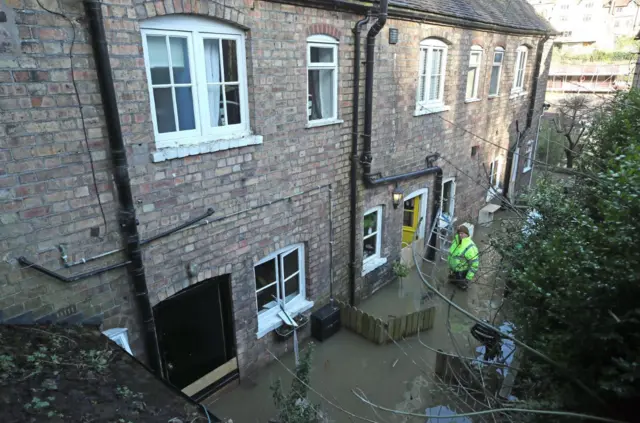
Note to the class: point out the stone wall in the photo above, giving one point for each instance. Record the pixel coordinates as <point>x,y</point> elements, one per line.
<point>48,196</point>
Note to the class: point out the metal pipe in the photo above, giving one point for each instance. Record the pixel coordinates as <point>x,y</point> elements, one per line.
<point>536,77</point>
<point>68,279</point>
<point>535,146</point>
<point>353,175</point>
<point>330,243</point>
<point>372,181</point>
<point>127,213</point>
<point>180,227</point>
<point>368,85</point>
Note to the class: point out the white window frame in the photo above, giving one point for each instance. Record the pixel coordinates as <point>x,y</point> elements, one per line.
<point>323,41</point>
<point>424,196</point>
<point>522,54</point>
<point>376,260</point>
<point>515,164</point>
<point>427,48</point>
<point>196,30</point>
<point>271,319</point>
<point>495,64</point>
<point>475,50</point>
<point>452,205</point>
<point>528,157</point>
<point>494,185</point>
<point>120,337</point>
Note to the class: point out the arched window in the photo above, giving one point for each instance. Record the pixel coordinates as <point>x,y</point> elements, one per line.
<point>197,80</point>
<point>431,74</point>
<point>473,73</point>
<point>322,82</point>
<point>519,70</point>
<point>496,71</point>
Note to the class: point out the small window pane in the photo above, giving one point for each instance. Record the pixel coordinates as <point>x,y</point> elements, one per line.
<point>493,85</point>
<point>184,101</point>
<point>267,298</point>
<point>474,59</point>
<point>265,273</point>
<point>158,60</point>
<point>163,101</point>
<point>216,109</point>
<point>212,59</point>
<point>407,218</point>
<point>446,197</point>
<point>434,88</point>
<point>497,57</point>
<point>321,94</point>
<point>291,288</point>
<point>371,223</point>
<point>230,60</point>
<point>369,247</point>
<point>322,54</point>
<point>290,263</point>
<point>180,60</point>
<point>233,104</point>
<point>471,79</point>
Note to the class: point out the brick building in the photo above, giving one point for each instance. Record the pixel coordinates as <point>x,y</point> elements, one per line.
<point>246,107</point>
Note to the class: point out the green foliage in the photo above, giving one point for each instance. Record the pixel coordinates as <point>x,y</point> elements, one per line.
<point>627,43</point>
<point>597,56</point>
<point>574,276</point>
<point>295,407</point>
<point>400,269</point>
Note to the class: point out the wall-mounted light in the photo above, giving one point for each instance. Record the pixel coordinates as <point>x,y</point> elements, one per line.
<point>398,195</point>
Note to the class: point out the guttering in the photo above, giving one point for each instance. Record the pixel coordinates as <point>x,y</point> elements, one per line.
<point>353,176</point>
<point>127,213</point>
<point>375,180</point>
<point>416,15</point>
<point>74,278</point>
<point>368,84</point>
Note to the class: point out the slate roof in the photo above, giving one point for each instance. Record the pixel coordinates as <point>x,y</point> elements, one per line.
<point>507,13</point>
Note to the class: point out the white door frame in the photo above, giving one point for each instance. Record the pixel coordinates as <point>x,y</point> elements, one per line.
<point>424,192</point>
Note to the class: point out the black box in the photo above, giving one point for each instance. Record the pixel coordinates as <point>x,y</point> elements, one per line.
<point>325,322</point>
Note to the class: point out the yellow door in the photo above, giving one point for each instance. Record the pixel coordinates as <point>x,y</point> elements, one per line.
<point>410,220</point>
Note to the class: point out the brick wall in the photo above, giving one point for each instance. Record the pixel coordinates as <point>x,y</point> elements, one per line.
<point>47,195</point>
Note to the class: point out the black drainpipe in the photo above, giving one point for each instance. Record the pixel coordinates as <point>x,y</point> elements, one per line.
<point>353,177</point>
<point>368,84</point>
<point>126,214</point>
<point>534,84</point>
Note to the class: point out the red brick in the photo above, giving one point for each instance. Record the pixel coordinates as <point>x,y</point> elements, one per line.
<point>49,34</point>
<point>27,190</point>
<point>36,212</point>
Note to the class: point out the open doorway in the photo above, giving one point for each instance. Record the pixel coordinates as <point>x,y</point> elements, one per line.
<point>196,337</point>
<point>495,183</point>
<point>414,220</point>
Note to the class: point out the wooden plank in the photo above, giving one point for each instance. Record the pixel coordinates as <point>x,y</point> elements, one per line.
<point>352,317</point>
<point>403,327</point>
<point>376,331</point>
<point>415,318</point>
<point>359,317</point>
<point>365,326</point>
<point>372,329</point>
<point>211,377</point>
<point>344,314</point>
<point>382,333</point>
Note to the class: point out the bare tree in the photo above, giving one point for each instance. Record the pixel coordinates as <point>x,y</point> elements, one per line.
<point>570,122</point>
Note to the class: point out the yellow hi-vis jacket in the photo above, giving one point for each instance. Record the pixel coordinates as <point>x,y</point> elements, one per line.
<point>463,256</point>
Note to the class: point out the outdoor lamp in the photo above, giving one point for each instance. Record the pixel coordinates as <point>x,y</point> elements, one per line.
<point>398,194</point>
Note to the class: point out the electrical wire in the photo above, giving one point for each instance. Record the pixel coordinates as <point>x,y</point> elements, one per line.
<point>80,107</point>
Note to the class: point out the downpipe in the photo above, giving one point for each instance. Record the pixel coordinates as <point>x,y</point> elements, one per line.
<point>126,214</point>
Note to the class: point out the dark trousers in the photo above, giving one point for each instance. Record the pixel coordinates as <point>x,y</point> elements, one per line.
<point>459,278</point>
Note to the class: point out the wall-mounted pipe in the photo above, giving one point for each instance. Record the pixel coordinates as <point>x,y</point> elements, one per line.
<point>368,84</point>
<point>74,278</point>
<point>536,77</point>
<point>180,227</point>
<point>127,213</point>
<point>353,175</point>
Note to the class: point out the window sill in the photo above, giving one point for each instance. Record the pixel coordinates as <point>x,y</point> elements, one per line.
<point>319,123</point>
<point>270,323</point>
<point>472,100</point>
<point>171,153</point>
<point>526,170</point>
<point>373,264</point>
<point>492,96</point>
<point>426,110</point>
<point>517,94</point>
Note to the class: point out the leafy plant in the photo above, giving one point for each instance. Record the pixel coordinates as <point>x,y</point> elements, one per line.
<point>400,269</point>
<point>295,407</point>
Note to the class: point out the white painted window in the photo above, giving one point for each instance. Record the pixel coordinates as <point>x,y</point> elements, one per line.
<point>120,337</point>
<point>197,80</point>
<point>372,235</point>
<point>528,156</point>
<point>496,71</point>
<point>514,166</point>
<point>280,287</point>
<point>473,73</point>
<point>322,79</point>
<point>520,68</point>
<point>448,197</point>
<point>431,75</point>
<point>495,175</point>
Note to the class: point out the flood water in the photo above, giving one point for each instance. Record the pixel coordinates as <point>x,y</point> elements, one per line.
<point>395,375</point>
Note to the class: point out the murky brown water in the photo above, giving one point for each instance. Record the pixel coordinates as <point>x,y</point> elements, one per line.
<point>398,376</point>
